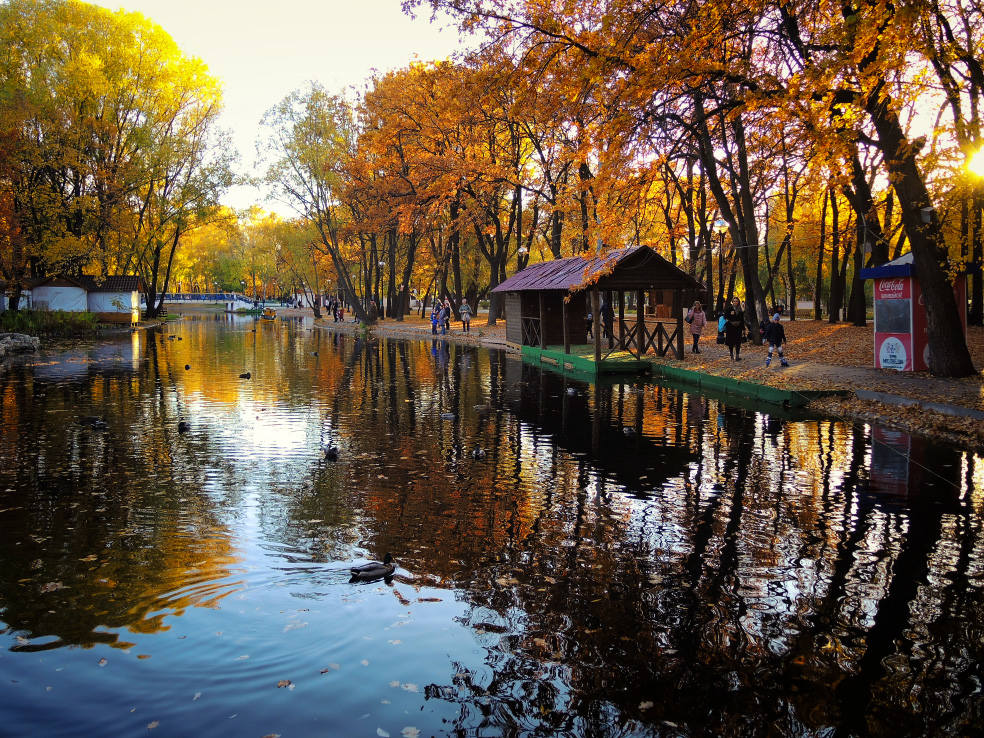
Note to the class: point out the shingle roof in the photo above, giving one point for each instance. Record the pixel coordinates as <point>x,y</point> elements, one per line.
<point>638,263</point>
<point>114,283</point>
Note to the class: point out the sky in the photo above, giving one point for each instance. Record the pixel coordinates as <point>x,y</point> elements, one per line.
<point>261,51</point>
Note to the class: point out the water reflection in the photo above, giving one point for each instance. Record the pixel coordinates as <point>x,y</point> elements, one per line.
<point>621,558</point>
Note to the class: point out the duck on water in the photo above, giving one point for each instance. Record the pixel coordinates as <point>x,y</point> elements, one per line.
<point>373,570</point>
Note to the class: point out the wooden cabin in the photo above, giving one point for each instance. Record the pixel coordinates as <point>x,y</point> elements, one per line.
<point>547,307</point>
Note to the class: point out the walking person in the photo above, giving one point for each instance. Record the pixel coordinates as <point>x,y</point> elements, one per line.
<point>608,320</point>
<point>444,317</point>
<point>464,310</point>
<point>734,329</point>
<point>697,319</point>
<point>775,336</point>
<point>435,317</point>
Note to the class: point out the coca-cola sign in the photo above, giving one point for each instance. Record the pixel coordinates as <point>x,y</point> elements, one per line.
<point>893,288</point>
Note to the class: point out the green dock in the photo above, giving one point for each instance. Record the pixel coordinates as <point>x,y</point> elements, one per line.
<point>580,363</point>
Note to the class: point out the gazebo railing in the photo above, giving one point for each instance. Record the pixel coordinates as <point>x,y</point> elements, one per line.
<point>637,338</point>
<point>531,331</point>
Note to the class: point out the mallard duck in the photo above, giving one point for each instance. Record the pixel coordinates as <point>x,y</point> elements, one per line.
<point>373,570</point>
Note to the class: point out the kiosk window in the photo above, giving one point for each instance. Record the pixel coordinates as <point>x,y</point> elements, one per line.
<point>892,316</point>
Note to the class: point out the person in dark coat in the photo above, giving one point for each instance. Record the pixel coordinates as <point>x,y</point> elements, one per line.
<point>608,321</point>
<point>775,336</point>
<point>734,328</point>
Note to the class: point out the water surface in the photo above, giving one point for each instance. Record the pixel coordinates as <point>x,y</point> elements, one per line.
<point>621,559</point>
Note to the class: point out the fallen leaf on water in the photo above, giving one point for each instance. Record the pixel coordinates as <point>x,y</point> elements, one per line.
<point>152,725</point>
<point>285,683</point>
<point>272,735</point>
<point>197,695</point>
<point>410,732</point>
<point>645,705</point>
<point>52,587</point>
<point>382,733</point>
<point>364,662</point>
<point>102,661</point>
<point>429,599</point>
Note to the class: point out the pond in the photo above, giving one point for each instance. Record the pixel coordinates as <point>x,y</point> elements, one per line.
<point>572,559</point>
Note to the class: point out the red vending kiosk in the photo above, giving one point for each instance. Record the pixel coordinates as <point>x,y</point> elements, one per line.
<point>901,340</point>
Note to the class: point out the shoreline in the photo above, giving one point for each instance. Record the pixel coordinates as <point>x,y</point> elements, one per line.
<point>930,417</point>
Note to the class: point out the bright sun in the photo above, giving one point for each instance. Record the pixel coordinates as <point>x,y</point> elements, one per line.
<point>976,163</point>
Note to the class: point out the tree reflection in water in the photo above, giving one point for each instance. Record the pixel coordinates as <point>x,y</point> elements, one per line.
<point>716,568</point>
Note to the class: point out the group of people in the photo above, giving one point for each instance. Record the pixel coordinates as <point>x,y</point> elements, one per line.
<point>733,331</point>
<point>441,314</point>
<point>337,310</point>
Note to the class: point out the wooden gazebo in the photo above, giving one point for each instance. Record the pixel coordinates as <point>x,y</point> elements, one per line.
<point>546,307</point>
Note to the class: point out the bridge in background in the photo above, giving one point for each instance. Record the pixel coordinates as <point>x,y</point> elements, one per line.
<point>232,300</point>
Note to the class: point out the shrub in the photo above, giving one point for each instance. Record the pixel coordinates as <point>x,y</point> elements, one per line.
<point>57,323</point>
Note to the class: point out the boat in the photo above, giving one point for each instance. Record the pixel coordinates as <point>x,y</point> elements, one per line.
<point>269,314</point>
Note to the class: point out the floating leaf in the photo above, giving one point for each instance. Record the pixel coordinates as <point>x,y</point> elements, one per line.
<point>285,683</point>
<point>153,724</point>
<point>410,732</point>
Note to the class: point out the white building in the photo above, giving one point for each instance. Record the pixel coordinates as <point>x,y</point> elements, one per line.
<point>114,299</point>
<point>60,293</point>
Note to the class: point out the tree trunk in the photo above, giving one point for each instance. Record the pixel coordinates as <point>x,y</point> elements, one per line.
<point>836,299</point>
<point>948,352</point>
<point>818,285</point>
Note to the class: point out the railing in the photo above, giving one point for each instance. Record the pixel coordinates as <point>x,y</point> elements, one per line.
<point>206,297</point>
<point>531,331</point>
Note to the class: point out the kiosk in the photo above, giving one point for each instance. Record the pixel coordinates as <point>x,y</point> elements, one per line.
<point>901,340</point>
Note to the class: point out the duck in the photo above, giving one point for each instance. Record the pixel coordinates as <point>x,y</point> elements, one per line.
<point>629,431</point>
<point>478,453</point>
<point>331,453</point>
<point>245,375</point>
<point>183,426</point>
<point>373,570</point>
<point>571,391</point>
<point>187,367</point>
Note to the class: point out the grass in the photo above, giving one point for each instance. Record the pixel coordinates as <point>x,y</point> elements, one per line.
<point>56,323</point>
